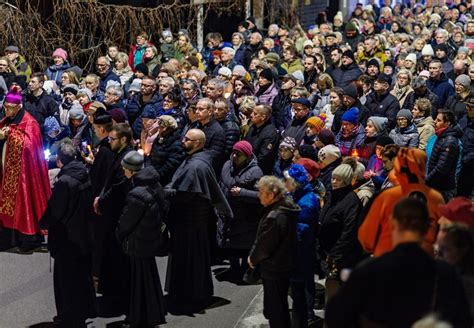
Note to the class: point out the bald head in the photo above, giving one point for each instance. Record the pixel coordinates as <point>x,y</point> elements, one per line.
<point>193,141</point>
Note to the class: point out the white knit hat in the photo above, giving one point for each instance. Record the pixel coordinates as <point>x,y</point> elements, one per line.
<point>427,50</point>
<point>412,58</point>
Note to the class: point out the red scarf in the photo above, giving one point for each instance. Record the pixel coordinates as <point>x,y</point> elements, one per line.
<point>440,131</point>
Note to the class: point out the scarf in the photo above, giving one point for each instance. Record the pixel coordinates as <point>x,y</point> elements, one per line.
<point>351,133</point>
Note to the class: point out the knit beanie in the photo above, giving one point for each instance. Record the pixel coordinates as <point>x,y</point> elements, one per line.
<point>351,91</point>
<point>351,27</point>
<point>51,125</point>
<point>464,50</point>
<point>310,166</point>
<point>239,70</point>
<point>298,173</point>
<point>272,57</point>
<point>101,116</point>
<point>383,141</point>
<point>150,112</point>
<point>72,88</point>
<point>289,143</point>
<point>373,62</point>
<point>327,137</point>
<point>442,47</point>
<point>464,80</point>
<point>85,91</point>
<point>133,161</point>
<point>351,115</point>
<point>14,96</point>
<point>244,147</point>
<point>406,114</point>
<point>317,121</point>
<point>427,50</point>
<point>345,172</point>
<point>411,57</point>
<point>135,85</point>
<point>329,154</point>
<point>60,52</point>
<point>380,123</point>
<point>76,112</point>
<point>298,75</point>
<point>357,167</point>
<point>267,74</point>
<point>119,115</point>
<point>348,53</point>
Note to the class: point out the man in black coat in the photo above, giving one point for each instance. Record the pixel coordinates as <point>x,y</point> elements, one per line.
<point>350,99</point>
<point>255,42</point>
<point>194,195</point>
<point>281,106</point>
<point>228,124</point>
<point>348,72</point>
<point>114,280</point>
<point>380,293</point>
<point>382,103</point>
<point>296,129</point>
<point>67,218</point>
<point>167,153</point>
<point>442,165</point>
<point>263,137</point>
<point>215,136</point>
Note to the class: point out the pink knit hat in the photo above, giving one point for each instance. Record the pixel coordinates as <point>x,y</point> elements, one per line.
<point>14,96</point>
<point>60,52</point>
<point>244,147</point>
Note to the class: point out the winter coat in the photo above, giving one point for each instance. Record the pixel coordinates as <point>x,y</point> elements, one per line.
<point>139,226</point>
<point>367,148</point>
<point>215,142</point>
<point>295,65</point>
<point>41,107</point>
<point>232,134</point>
<point>325,175</point>
<point>23,68</point>
<point>343,76</point>
<point>250,52</point>
<point>135,109</point>
<point>408,175</point>
<point>55,73</point>
<point>385,105</point>
<point>339,223</point>
<point>425,128</point>
<point>458,105</point>
<point>305,231</point>
<point>296,129</point>
<point>352,142</point>
<point>166,155</point>
<point>406,98</point>
<point>68,213</point>
<point>281,166</point>
<point>266,98</point>
<point>433,100</point>
<point>280,106</point>
<point>467,126</point>
<point>441,88</point>
<point>310,78</point>
<point>240,231</point>
<point>274,249</point>
<point>264,141</point>
<point>406,137</point>
<point>239,55</point>
<point>109,76</point>
<point>441,172</point>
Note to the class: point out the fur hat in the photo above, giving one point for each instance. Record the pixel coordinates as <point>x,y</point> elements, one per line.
<point>72,88</point>
<point>168,121</point>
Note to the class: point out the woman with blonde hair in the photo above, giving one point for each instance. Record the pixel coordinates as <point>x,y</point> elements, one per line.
<point>403,90</point>
<point>320,92</point>
<point>121,68</point>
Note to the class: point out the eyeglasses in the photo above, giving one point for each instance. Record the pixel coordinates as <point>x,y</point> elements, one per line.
<point>101,65</point>
<point>112,138</point>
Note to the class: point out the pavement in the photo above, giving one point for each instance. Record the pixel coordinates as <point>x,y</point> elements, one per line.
<point>27,299</point>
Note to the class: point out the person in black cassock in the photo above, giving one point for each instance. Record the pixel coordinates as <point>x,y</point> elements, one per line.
<point>138,232</point>
<point>194,193</point>
<point>67,217</point>
<point>114,278</point>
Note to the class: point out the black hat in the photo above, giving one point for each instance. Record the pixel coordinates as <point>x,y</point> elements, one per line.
<point>303,101</point>
<point>389,63</point>
<point>133,161</point>
<point>383,141</point>
<point>348,53</point>
<point>373,62</point>
<point>351,91</point>
<point>251,19</point>
<point>244,24</point>
<point>330,34</point>
<point>142,68</point>
<point>308,151</point>
<point>102,117</point>
<point>267,73</point>
<point>384,78</point>
<point>442,47</point>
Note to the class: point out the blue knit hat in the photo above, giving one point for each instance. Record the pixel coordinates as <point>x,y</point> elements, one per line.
<point>51,124</point>
<point>298,173</point>
<point>150,112</point>
<point>351,115</point>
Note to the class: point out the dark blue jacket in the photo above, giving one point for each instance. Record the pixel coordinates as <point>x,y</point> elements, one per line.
<point>135,109</point>
<point>441,88</point>
<point>54,72</point>
<point>343,76</point>
<point>109,76</point>
<point>239,55</point>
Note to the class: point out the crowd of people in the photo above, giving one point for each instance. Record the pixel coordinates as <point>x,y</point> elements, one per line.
<point>344,151</point>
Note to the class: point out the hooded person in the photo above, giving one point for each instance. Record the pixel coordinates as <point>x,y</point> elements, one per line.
<point>405,133</point>
<point>22,148</point>
<point>236,235</point>
<point>408,176</point>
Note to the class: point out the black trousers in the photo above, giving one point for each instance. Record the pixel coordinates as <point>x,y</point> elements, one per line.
<point>466,179</point>
<point>73,290</point>
<point>275,302</point>
<point>299,312</point>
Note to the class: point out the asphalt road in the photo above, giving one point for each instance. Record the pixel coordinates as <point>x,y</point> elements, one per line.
<point>26,298</point>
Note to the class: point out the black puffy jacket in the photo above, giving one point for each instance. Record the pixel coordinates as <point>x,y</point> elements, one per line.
<point>441,173</point>
<point>166,155</point>
<point>232,134</point>
<point>343,76</point>
<point>385,105</point>
<point>138,230</point>
<point>264,141</point>
<point>215,142</point>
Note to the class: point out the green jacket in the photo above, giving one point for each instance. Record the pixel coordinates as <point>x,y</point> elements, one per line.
<point>23,68</point>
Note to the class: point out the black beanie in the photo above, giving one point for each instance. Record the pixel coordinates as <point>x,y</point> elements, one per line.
<point>373,62</point>
<point>383,141</point>
<point>267,73</point>
<point>348,53</point>
<point>142,68</point>
<point>351,91</point>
